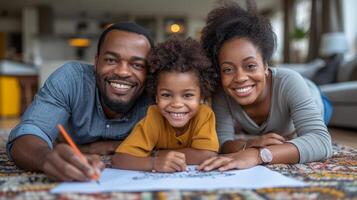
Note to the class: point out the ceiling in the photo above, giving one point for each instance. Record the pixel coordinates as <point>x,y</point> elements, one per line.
<point>109,8</point>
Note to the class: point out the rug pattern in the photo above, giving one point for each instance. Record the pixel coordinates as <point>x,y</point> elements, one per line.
<point>335,178</point>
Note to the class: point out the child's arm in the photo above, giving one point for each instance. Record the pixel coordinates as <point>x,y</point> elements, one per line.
<point>168,161</point>
<point>193,156</point>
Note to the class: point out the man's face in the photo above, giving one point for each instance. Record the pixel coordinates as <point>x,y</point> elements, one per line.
<point>121,70</point>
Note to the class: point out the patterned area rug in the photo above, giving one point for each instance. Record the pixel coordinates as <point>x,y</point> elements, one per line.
<point>335,178</point>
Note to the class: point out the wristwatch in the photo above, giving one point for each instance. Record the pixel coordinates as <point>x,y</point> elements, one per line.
<point>266,155</point>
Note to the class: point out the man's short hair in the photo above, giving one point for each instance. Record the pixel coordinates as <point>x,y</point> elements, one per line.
<point>125,26</point>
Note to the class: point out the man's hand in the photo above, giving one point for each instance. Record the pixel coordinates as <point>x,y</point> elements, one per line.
<point>62,164</point>
<point>170,161</point>
<point>100,147</point>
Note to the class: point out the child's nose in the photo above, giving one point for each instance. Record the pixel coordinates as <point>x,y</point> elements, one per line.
<point>176,103</point>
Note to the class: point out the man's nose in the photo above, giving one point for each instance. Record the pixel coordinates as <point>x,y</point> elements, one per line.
<point>123,69</point>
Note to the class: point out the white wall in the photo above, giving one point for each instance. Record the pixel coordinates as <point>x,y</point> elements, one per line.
<point>10,24</point>
<point>350,16</point>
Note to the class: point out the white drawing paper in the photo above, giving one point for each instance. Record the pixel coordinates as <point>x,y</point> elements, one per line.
<point>133,181</point>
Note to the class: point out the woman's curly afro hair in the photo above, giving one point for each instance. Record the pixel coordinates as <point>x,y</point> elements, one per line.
<point>229,21</point>
<point>181,55</point>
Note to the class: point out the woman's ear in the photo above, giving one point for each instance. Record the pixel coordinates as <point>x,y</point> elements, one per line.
<point>266,71</point>
<point>155,99</point>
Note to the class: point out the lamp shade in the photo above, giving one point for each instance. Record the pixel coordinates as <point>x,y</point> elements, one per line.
<point>333,43</point>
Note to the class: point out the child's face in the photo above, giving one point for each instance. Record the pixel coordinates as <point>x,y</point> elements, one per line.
<point>178,97</point>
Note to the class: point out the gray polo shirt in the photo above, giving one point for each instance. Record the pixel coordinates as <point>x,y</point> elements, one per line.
<point>70,97</point>
<point>296,107</point>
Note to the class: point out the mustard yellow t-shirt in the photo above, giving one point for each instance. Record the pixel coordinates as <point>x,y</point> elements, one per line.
<point>154,131</point>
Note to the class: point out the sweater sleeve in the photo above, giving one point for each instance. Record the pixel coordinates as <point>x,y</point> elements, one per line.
<point>313,139</point>
<point>224,120</point>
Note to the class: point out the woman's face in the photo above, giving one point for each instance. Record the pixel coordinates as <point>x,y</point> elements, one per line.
<point>243,73</point>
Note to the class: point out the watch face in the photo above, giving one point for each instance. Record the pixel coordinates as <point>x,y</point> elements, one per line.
<point>266,155</point>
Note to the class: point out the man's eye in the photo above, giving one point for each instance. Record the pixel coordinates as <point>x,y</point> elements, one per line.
<point>138,65</point>
<point>110,60</point>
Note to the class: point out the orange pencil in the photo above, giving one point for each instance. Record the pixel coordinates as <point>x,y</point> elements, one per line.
<point>75,148</point>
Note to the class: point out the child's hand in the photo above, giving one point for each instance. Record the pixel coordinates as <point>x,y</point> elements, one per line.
<point>170,161</point>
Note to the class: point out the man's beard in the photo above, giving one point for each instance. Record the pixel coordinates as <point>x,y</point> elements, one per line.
<point>115,106</point>
<point>118,106</point>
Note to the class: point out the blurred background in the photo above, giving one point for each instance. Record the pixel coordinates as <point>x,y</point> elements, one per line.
<point>318,38</point>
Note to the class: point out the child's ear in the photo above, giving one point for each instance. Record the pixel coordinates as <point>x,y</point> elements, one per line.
<point>202,101</point>
<point>155,99</point>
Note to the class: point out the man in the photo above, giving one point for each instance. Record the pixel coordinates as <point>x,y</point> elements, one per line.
<point>101,102</point>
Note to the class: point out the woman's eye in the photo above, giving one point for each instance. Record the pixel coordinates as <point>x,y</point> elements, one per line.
<point>227,70</point>
<point>251,66</point>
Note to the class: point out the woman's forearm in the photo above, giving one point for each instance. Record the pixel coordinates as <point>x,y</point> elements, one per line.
<point>232,146</point>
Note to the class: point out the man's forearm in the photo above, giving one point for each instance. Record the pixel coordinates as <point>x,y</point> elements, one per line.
<point>104,147</point>
<point>29,152</point>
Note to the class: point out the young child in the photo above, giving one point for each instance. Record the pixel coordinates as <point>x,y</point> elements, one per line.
<point>179,130</point>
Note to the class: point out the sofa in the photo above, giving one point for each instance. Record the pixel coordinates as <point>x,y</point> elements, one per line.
<point>342,92</point>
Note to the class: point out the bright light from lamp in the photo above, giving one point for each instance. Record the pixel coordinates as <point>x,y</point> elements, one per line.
<point>333,43</point>
<point>175,28</point>
<point>79,42</point>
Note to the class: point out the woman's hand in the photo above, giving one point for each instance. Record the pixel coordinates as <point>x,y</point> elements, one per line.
<point>239,160</point>
<point>266,140</point>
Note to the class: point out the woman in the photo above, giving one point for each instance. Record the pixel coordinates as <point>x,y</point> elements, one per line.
<point>282,110</point>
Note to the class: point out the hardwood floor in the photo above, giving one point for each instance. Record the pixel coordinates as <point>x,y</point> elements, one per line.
<point>339,135</point>
<point>346,137</point>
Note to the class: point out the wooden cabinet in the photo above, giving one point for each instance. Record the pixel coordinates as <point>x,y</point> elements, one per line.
<point>16,94</point>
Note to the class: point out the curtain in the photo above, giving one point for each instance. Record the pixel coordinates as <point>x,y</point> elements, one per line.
<point>288,27</point>
<point>326,16</point>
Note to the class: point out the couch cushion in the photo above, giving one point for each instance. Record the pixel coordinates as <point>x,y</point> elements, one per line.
<point>341,93</point>
<point>347,71</point>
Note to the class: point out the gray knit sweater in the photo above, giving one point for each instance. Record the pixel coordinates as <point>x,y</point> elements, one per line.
<point>296,106</point>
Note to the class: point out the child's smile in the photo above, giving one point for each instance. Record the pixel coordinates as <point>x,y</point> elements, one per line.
<point>178,98</point>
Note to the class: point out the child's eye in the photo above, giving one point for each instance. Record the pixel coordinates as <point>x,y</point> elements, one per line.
<point>165,95</point>
<point>188,95</point>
